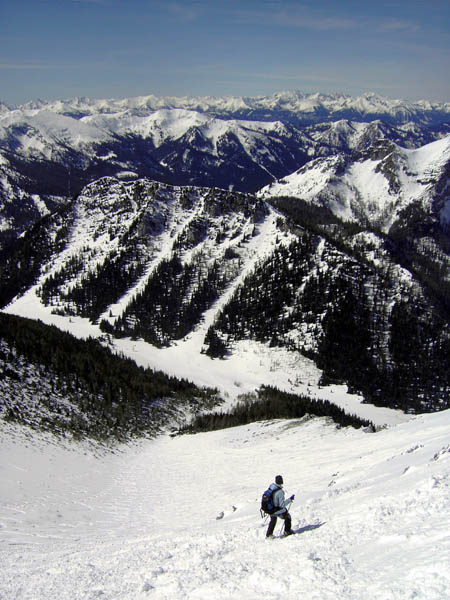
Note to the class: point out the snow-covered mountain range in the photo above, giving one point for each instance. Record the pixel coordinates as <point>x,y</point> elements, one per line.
<point>346,239</point>
<point>50,150</point>
<point>303,107</point>
<point>208,269</point>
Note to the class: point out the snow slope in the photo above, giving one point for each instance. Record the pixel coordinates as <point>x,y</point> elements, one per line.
<point>38,133</point>
<point>171,124</point>
<point>42,133</point>
<point>377,188</point>
<point>178,518</point>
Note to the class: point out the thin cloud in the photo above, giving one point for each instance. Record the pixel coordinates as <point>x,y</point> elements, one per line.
<point>302,17</point>
<point>183,12</point>
<point>7,65</point>
<point>308,21</point>
<point>12,65</point>
<point>91,1</point>
<point>397,26</point>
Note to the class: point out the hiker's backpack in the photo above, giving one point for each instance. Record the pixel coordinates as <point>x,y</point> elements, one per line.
<point>267,505</point>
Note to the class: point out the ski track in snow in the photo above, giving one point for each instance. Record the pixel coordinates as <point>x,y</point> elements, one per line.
<point>178,518</point>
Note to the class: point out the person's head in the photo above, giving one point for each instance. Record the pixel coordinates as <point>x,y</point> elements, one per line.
<point>279,480</point>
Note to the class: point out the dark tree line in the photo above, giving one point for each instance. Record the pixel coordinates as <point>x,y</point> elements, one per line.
<point>421,243</point>
<point>271,403</point>
<point>20,263</point>
<point>258,307</point>
<point>172,302</point>
<point>96,290</point>
<point>111,395</point>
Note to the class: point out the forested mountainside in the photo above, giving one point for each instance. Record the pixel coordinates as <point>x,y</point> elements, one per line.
<point>50,151</point>
<point>155,262</point>
<point>52,381</point>
<point>349,305</point>
<point>313,223</point>
<point>74,388</point>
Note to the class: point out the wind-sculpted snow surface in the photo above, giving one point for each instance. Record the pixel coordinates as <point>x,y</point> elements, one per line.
<point>178,518</point>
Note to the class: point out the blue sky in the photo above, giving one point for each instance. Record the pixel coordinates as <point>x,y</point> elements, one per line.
<point>54,49</point>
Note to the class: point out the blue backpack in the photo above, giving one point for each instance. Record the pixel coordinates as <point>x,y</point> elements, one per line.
<point>267,505</point>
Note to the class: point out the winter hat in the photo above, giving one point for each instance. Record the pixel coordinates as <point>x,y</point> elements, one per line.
<point>279,480</point>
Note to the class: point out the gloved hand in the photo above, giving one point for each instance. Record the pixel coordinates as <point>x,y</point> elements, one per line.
<point>292,497</point>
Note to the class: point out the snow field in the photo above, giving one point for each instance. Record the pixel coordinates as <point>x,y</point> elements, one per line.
<point>364,188</point>
<point>178,518</point>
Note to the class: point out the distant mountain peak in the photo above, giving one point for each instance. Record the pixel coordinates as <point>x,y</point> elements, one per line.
<point>312,106</point>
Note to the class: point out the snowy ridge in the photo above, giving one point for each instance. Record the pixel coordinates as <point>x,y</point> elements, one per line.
<point>102,217</point>
<point>371,511</point>
<point>50,150</point>
<point>91,241</point>
<point>38,131</point>
<point>295,102</point>
<point>43,133</point>
<point>371,187</point>
<point>107,210</point>
<point>173,275</point>
<point>47,157</point>
<point>38,127</point>
<point>166,124</point>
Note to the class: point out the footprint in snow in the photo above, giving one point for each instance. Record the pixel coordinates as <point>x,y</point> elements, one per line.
<point>222,514</point>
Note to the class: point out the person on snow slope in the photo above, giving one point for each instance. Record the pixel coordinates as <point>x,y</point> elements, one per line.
<point>281,505</point>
